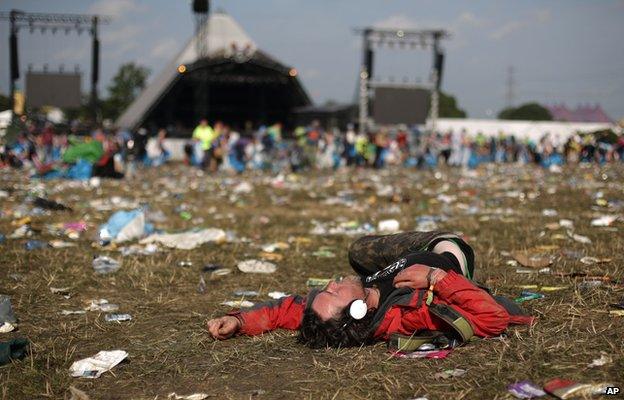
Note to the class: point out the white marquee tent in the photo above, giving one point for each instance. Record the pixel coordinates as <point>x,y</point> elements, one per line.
<point>224,35</point>
<point>521,129</point>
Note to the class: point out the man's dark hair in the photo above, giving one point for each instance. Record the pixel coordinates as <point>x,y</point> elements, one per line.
<point>336,332</point>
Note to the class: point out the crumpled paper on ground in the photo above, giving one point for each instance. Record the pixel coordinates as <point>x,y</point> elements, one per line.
<point>187,240</point>
<point>95,366</point>
<point>256,266</point>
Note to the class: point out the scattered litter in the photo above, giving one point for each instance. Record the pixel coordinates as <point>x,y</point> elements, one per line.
<point>95,366</point>
<point>525,390</point>
<point>6,327</point>
<point>102,305</point>
<point>256,266</point>
<point>62,291</point>
<point>605,220</point>
<point>35,244</point>
<point>72,229</point>
<point>450,373</point>
<point>426,223</point>
<point>617,313</point>
<point>567,389</point>
<point>388,226</point>
<point>73,312</point>
<point>277,295</point>
<point>242,188</point>
<point>587,285</point>
<point>59,244</point>
<point>95,181</point>
<point>194,396</point>
<point>324,252</point>
<point>599,362</point>
<point>271,256</point>
<point>139,250</point>
<point>526,296</point>
<point>187,240</point>
<point>589,260</point>
<point>527,259</point>
<point>246,293</point>
<point>117,317</point>
<point>552,288</point>
<point>238,303</point>
<point>221,272</point>
<point>211,267</point>
<point>580,238</point>
<point>549,212</point>
<point>125,225</point>
<point>434,354</point>
<point>566,223</point>
<point>105,265</point>
<point>201,286</point>
<point>552,226</point>
<point>6,311</point>
<point>270,248</point>
<point>50,205</point>
<point>349,228</point>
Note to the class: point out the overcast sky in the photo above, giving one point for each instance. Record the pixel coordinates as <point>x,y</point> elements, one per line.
<point>561,50</point>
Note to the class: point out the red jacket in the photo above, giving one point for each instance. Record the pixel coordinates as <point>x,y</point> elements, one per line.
<point>486,316</point>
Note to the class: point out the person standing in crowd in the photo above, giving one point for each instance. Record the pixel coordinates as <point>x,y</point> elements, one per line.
<point>203,134</point>
<point>381,146</point>
<point>361,149</point>
<point>156,151</point>
<point>349,153</point>
<point>218,147</point>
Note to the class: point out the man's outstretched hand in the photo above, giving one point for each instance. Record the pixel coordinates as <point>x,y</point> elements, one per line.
<point>415,277</point>
<point>224,327</point>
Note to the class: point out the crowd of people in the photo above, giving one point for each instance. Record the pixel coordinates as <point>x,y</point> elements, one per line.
<point>313,147</point>
<point>54,152</point>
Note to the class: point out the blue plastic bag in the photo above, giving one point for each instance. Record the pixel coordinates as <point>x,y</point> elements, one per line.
<point>125,225</point>
<point>80,171</point>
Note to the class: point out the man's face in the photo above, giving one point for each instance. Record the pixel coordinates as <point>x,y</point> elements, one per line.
<point>336,296</point>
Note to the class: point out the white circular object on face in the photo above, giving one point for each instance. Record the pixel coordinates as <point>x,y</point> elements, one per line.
<point>358,309</point>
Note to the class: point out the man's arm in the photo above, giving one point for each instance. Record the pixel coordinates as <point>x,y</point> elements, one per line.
<point>487,317</point>
<point>283,313</point>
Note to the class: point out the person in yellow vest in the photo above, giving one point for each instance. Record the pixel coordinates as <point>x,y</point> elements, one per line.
<point>204,134</point>
<point>361,145</point>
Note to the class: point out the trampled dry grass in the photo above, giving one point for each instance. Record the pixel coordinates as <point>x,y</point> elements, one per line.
<point>496,209</point>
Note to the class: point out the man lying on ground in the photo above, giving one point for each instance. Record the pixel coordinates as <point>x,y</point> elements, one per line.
<point>407,283</point>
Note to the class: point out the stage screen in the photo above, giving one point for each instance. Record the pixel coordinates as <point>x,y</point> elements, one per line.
<point>400,105</point>
<point>53,89</point>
